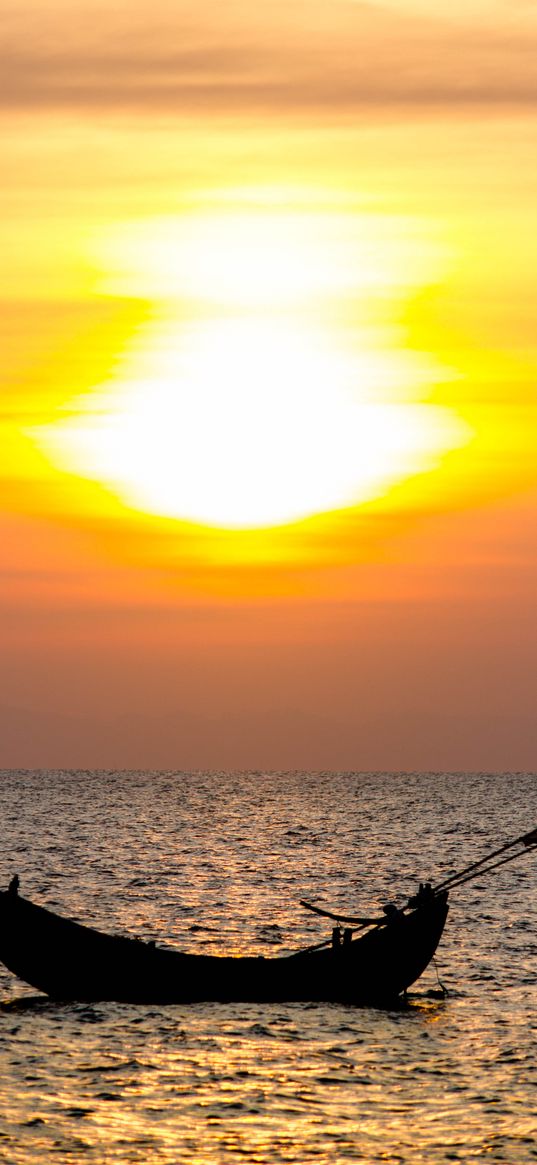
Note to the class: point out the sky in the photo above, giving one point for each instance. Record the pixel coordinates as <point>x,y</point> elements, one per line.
<point>268,474</point>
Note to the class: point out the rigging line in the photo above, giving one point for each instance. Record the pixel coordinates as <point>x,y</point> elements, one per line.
<point>327,942</point>
<point>526,839</point>
<point>488,869</point>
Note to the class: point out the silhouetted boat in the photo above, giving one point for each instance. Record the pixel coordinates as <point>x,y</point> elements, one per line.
<point>69,961</point>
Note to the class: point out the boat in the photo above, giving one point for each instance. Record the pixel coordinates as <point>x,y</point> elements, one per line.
<point>69,961</point>
<point>371,961</point>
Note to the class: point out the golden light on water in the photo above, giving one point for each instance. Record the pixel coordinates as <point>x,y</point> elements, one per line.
<point>264,391</point>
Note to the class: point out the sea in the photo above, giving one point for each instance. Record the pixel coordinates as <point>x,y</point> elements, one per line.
<point>218,862</point>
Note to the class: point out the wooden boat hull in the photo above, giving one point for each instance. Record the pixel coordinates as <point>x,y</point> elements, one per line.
<point>68,961</point>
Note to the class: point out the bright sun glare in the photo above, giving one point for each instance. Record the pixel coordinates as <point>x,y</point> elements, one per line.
<point>240,414</point>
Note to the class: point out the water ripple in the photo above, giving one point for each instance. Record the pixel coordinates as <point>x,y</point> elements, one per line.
<point>218,862</point>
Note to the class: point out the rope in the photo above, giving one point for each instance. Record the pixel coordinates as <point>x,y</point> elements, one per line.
<point>526,839</point>
<point>459,880</point>
<point>441,985</point>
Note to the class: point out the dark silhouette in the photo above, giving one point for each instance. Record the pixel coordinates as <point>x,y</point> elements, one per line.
<point>69,961</point>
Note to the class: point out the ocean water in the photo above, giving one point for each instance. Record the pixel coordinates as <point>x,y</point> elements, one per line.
<point>217,862</point>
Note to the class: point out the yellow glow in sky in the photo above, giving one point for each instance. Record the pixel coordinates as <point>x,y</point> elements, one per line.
<point>251,423</point>
<point>250,417</point>
<point>268,412</point>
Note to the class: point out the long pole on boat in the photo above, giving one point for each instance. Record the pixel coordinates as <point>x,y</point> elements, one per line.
<point>527,840</point>
<point>352,918</point>
<point>488,869</point>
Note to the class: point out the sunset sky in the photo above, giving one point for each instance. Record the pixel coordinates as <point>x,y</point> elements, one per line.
<point>268,408</point>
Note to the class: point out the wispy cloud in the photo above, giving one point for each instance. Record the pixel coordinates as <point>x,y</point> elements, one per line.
<point>236,59</point>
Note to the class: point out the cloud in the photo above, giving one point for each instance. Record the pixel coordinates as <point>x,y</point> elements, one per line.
<point>306,56</point>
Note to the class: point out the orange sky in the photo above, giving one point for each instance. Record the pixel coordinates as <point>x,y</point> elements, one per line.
<point>268,410</point>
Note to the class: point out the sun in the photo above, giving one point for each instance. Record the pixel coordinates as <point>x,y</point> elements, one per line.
<point>249,423</point>
<point>264,261</point>
<point>257,412</point>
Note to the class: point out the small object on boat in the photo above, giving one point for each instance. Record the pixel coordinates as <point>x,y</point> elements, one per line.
<point>424,893</point>
<point>13,887</point>
<point>393,914</point>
